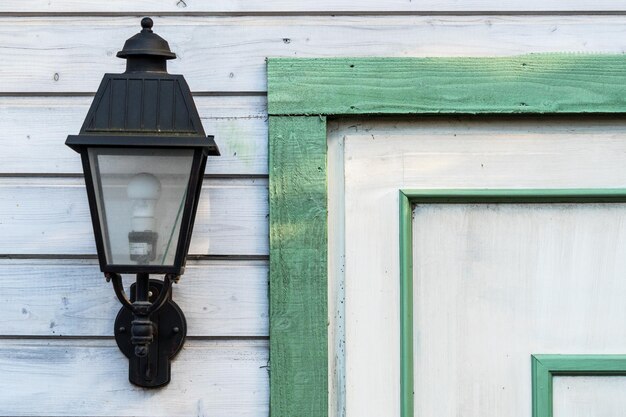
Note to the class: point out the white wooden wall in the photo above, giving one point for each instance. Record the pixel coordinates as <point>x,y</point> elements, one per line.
<point>57,357</point>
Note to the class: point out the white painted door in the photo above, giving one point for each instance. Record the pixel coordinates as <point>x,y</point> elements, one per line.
<point>493,284</point>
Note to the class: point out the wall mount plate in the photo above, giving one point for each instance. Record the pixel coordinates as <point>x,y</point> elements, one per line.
<point>152,370</point>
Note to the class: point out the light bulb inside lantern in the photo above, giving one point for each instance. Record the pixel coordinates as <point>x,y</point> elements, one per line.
<point>144,191</point>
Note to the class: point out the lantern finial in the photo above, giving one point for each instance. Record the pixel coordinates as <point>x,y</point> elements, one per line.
<point>146,24</point>
<point>146,44</point>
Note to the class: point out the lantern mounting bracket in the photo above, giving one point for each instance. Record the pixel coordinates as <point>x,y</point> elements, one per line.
<point>150,328</point>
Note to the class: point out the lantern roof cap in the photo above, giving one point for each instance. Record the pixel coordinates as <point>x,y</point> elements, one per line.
<point>146,43</point>
<point>144,106</point>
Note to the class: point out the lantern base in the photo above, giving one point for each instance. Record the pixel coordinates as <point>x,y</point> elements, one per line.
<point>170,329</point>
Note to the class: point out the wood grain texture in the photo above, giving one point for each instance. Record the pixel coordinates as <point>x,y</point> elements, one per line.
<point>71,298</point>
<point>552,83</point>
<point>338,92</point>
<point>298,267</point>
<point>336,267</point>
<point>526,278</point>
<point>239,125</point>
<point>80,378</point>
<point>227,54</point>
<point>454,153</point>
<point>285,6</point>
<point>51,216</point>
<point>383,155</point>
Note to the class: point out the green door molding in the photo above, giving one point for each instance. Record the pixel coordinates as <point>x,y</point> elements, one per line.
<point>542,385</point>
<point>545,367</point>
<point>302,93</point>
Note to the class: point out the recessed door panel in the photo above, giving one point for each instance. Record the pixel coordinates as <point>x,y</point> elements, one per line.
<point>493,283</point>
<point>589,396</point>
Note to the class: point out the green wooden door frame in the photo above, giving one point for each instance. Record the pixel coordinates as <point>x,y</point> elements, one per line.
<point>303,93</point>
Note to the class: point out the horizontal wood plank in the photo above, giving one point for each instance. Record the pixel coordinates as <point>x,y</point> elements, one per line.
<point>33,131</point>
<point>71,298</point>
<point>227,54</point>
<point>550,83</point>
<point>90,378</point>
<point>278,6</point>
<point>51,216</point>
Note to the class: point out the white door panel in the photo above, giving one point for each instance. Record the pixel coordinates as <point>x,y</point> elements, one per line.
<point>589,396</point>
<point>563,269</point>
<point>495,283</point>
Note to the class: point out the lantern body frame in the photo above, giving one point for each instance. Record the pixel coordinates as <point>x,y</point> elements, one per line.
<point>168,121</point>
<point>192,196</point>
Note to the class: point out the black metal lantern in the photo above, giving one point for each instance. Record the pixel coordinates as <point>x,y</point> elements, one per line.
<point>144,151</point>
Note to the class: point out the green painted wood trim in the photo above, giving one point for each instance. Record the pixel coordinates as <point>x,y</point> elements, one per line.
<point>545,367</point>
<point>298,267</point>
<point>541,84</point>
<point>407,392</point>
<point>541,389</point>
<point>536,83</point>
<point>547,195</point>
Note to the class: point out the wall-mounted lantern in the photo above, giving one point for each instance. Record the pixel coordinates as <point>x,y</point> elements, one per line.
<point>144,151</point>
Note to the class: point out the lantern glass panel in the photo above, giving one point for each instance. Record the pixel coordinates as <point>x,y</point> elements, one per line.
<point>140,196</point>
